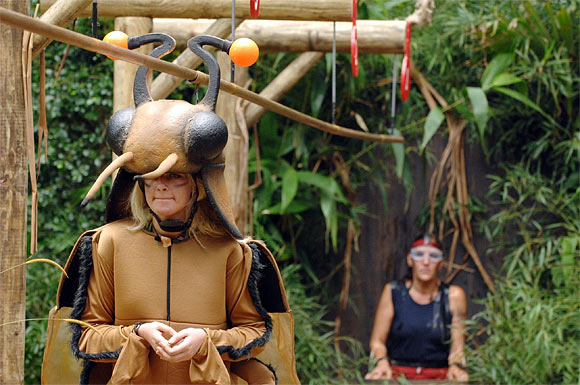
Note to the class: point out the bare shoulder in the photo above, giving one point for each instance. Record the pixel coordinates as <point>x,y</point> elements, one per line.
<point>456,293</point>
<point>457,299</point>
<point>387,289</point>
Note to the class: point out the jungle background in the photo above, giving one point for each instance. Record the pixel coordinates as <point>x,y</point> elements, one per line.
<point>339,213</point>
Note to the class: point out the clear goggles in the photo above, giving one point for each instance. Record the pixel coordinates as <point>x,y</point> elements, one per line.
<point>419,255</point>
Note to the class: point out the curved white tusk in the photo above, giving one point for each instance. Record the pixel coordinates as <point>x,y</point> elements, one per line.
<point>164,167</point>
<point>115,165</point>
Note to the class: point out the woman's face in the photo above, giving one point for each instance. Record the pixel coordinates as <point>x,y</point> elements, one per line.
<point>425,262</point>
<point>168,195</point>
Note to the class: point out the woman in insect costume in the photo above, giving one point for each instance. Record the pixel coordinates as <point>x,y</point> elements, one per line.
<point>172,291</point>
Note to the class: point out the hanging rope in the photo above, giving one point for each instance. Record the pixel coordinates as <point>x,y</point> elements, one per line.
<point>233,73</point>
<point>95,18</point>
<point>334,72</point>
<point>394,95</point>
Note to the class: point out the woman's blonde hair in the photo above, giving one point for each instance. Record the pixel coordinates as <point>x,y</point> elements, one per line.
<point>204,222</point>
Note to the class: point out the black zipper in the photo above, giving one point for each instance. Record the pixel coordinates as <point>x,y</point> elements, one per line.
<point>169,282</point>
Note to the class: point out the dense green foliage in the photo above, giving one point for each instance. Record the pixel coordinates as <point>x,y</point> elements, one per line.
<point>512,68</point>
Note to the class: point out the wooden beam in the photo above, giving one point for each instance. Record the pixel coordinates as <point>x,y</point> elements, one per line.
<point>164,84</point>
<point>283,83</point>
<point>95,45</point>
<point>339,10</point>
<point>374,36</point>
<point>61,13</point>
<point>236,150</point>
<point>14,191</point>
<point>124,72</point>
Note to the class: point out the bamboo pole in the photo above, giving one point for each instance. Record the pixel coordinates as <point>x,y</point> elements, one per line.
<point>283,83</point>
<point>14,191</point>
<point>164,84</point>
<point>124,72</point>
<point>329,10</point>
<point>61,13</point>
<point>374,36</point>
<point>236,150</point>
<point>94,45</point>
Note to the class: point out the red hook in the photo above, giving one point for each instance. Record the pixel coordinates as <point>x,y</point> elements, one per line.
<point>354,41</point>
<point>254,8</point>
<point>405,67</point>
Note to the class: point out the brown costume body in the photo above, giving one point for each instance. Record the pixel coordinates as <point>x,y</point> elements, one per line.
<point>207,289</point>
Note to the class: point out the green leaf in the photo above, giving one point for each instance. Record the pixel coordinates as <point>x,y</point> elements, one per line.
<point>505,79</point>
<point>432,123</point>
<point>289,187</point>
<point>328,207</point>
<point>399,151</point>
<point>522,98</point>
<point>480,109</point>
<point>566,29</point>
<point>325,183</point>
<point>569,245</point>
<point>294,207</point>
<point>317,93</point>
<point>494,68</point>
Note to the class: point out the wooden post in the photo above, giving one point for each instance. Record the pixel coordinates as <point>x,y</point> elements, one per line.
<point>164,84</point>
<point>283,83</point>
<point>339,10</point>
<point>14,191</point>
<point>374,36</point>
<point>236,150</point>
<point>62,13</point>
<point>124,71</point>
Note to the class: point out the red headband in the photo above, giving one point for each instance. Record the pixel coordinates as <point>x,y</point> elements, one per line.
<point>426,241</point>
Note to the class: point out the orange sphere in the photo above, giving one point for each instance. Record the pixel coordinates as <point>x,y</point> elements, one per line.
<point>118,38</point>
<point>244,52</point>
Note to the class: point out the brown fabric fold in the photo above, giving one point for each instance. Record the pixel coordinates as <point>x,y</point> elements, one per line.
<point>132,366</point>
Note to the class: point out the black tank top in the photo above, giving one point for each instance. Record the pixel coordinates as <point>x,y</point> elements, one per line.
<point>419,333</point>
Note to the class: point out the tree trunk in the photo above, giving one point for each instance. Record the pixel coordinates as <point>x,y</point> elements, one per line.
<point>374,36</point>
<point>13,190</point>
<point>125,71</point>
<point>236,150</point>
<point>339,10</point>
<point>62,13</point>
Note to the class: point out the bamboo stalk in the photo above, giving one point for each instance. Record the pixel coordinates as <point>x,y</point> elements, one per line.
<point>61,13</point>
<point>339,10</point>
<point>374,36</point>
<point>90,44</point>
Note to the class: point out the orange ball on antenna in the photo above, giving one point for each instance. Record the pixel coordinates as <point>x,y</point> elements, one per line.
<point>118,38</point>
<point>244,52</point>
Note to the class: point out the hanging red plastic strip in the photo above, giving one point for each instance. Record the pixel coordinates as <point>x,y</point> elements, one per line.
<point>354,41</point>
<point>406,66</point>
<point>254,8</point>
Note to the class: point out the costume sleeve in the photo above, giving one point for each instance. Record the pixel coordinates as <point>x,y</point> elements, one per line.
<point>104,342</point>
<point>251,325</point>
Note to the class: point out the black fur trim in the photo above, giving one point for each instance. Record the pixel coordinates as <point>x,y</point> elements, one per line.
<point>253,279</point>
<point>86,372</point>
<point>269,368</point>
<point>85,255</point>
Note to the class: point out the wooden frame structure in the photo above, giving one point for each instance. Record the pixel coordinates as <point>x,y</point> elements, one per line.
<point>138,17</point>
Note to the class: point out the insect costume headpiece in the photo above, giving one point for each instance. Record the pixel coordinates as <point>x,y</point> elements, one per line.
<point>163,136</point>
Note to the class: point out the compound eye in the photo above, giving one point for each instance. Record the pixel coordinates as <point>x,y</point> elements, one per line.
<point>118,129</point>
<point>205,137</point>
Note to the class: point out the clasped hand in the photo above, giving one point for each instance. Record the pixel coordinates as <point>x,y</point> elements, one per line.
<point>177,346</point>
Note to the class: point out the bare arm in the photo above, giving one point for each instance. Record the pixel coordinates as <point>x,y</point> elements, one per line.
<point>380,333</point>
<point>458,307</point>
